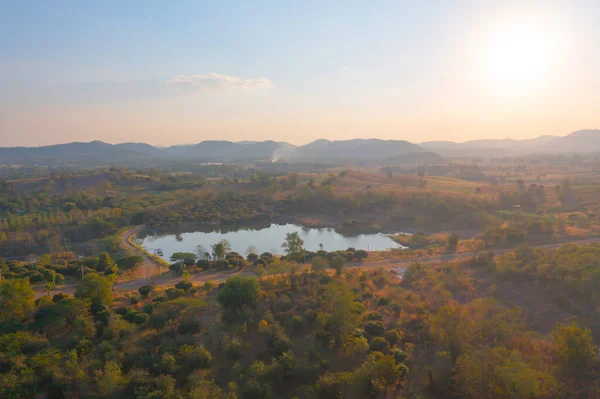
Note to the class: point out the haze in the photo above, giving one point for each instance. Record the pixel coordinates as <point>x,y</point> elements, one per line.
<point>191,71</point>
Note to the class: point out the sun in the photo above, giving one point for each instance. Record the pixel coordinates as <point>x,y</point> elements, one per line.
<point>520,57</point>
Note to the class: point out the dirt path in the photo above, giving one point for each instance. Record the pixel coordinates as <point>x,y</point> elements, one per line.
<point>149,266</point>
<point>147,273</point>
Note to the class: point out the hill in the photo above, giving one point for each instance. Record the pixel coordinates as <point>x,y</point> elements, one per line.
<point>357,149</point>
<point>582,141</point>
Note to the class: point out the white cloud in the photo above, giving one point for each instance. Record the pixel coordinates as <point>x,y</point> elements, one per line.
<point>213,81</point>
<point>345,68</point>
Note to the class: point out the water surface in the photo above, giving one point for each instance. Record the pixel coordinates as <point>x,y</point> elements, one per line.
<point>265,240</point>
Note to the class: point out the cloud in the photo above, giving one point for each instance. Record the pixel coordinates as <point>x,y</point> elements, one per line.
<point>345,68</point>
<point>215,81</point>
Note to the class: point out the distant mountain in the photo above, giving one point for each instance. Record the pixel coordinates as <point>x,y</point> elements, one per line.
<point>95,152</point>
<point>141,148</point>
<point>227,150</point>
<point>357,149</point>
<point>582,141</point>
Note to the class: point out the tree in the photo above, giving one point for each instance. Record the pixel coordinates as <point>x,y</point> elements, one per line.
<point>185,258</point>
<point>202,253</point>
<point>110,380</point>
<point>340,314</point>
<point>452,242</point>
<point>105,262</point>
<point>574,346</point>
<point>251,250</point>
<point>239,291</point>
<point>337,263</point>
<point>293,245</point>
<point>50,286</point>
<point>318,265</point>
<point>220,248</point>
<point>16,299</point>
<point>96,288</point>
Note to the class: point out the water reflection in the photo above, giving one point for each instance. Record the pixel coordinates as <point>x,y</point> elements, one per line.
<point>267,239</point>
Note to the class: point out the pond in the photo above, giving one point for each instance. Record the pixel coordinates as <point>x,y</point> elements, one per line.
<point>267,239</point>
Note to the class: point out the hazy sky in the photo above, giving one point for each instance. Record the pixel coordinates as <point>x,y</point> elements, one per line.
<point>186,71</point>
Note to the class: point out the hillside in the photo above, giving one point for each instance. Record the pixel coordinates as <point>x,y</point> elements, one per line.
<point>581,141</point>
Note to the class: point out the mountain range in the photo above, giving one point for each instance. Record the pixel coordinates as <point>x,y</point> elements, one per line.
<point>393,151</point>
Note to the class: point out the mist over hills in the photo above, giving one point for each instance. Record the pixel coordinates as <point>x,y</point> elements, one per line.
<point>360,150</point>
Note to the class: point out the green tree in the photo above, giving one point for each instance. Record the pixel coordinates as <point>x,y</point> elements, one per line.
<point>110,380</point>
<point>337,263</point>
<point>105,262</point>
<point>293,245</point>
<point>97,288</point>
<point>220,248</point>
<point>340,314</point>
<point>574,346</point>
<point>239,291</point>
<point>16,299</point>
<point>185,258</point>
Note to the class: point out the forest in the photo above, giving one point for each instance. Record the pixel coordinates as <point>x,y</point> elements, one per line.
<point>493,294</point>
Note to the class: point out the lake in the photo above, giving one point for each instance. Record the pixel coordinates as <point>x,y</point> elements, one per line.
<point>265,240</point>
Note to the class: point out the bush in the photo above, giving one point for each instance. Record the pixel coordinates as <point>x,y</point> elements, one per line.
<point>145,290</point>
<point>234,349</point>
<point>383,301</point>
<point>176,268</point>
<point>373,316</point>
<point>208,285</point>
<point>376,328</point>
<point>59,297</point>
<point>239,291</point>
<point>134,299</point>
<point>203,264</point>
<point>399,355</point>
<point>379,344</point>
<point>174,293</point>
<point>183,285</point>
<point>221,264</point>
<point>189,326</point>
<point>393,337</point>
<point>141,318</point>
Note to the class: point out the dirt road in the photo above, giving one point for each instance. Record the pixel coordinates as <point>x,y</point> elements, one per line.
<point>149,268</point>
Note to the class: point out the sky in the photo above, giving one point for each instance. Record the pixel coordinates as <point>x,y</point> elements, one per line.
<point>182,72</point>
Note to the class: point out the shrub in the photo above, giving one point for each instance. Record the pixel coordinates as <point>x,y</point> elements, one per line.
<point>383,301</point>
<point>399,355</point>
<point>221,264</point>
<point>376,328</point>
<point>239,291</point>
<point>59,297</point>
<point>234,349</point>
<point>189,326</point>
<point>379,344</point>
<point>373,316</point>
<point>208,285</point>
<point>203,264</point>
<point>183,285</point>
<point>141,318</point>
<point>145,290</point>
<point>174,293</point>
<point>393,337</point>
<point>134,299</point>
